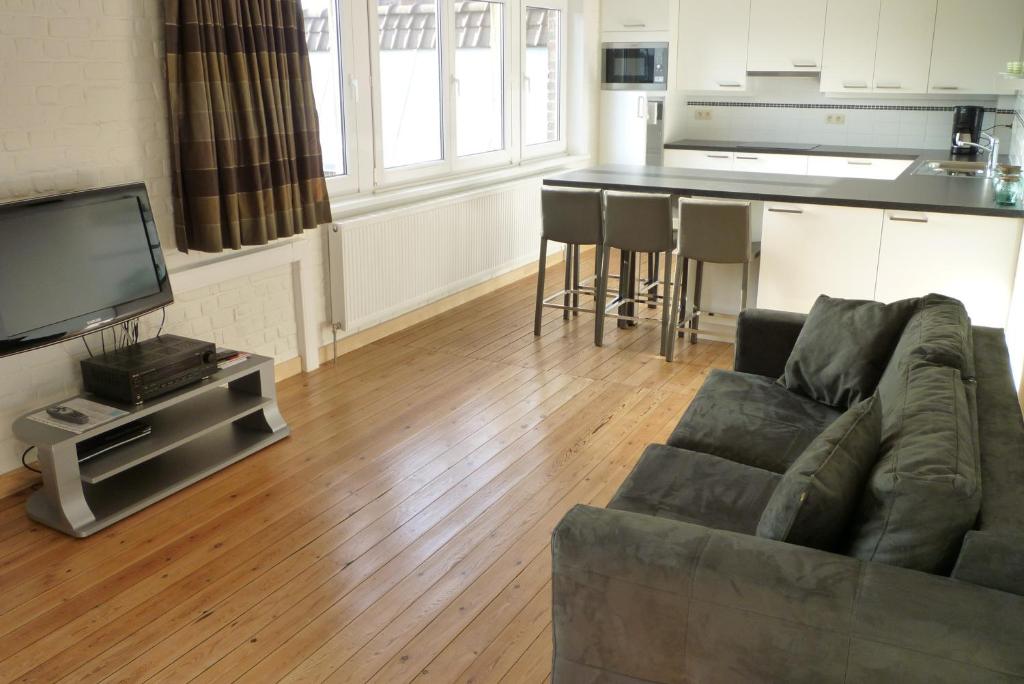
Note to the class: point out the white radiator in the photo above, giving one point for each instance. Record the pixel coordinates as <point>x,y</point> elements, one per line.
<point>390,262</point>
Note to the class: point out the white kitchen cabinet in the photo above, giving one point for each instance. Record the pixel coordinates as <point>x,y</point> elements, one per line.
<point>904,46</point>
<point>635,15</point>
<point>770,163</point>
<point>971,258</point>
<point>1015,324</point>
<point>623,127</point>
<point>974,39</point>
<point>711,50</point>
<point>855,167</point>
<point>848,56</point>
<point>713,160</point>
<point>785,35</point>
<point>808,250</point>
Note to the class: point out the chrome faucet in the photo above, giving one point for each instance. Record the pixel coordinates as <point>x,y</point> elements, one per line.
<point>992,149</point>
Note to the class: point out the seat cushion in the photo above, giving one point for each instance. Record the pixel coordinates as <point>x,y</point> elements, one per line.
<point>844,348</point>
<point>750,419</point>
<point>924,493</point>
<point>696,488</point>
<point>816,498</point>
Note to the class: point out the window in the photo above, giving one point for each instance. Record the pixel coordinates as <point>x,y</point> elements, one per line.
<point>322,27</point>
<point>410,82</point>
<point>413,90</point>
<point>542,81</point>
<point>479,80</point>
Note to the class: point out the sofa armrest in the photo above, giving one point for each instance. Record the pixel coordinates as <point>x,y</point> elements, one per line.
<point>992,559</point>
<point>639,598</point>
<point>765,339</point>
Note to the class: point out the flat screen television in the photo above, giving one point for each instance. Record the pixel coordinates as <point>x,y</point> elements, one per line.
<point>77,263</point>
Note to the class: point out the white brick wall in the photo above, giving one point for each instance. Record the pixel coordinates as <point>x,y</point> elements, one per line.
<point>82,104</point>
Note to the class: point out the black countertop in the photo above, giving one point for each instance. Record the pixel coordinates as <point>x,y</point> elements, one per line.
<point>809,149</point>
<point>974,196</point>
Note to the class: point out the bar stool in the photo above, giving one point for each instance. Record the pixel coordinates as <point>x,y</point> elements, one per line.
<point>710,231</point>
<point>634,223</point>
<point>572,217</point>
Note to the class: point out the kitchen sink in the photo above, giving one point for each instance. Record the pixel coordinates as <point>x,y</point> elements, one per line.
<point>952,169</point>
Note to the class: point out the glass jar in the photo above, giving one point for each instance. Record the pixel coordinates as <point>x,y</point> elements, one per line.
<point>1008,190</point>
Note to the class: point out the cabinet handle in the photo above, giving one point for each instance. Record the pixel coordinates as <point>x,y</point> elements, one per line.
<point>717,156</point>
<point>729,84</point>
<point>888,86</point>
<point>738,156</point>
<point>945,87</point>
<point>803,63</point>
<point>859,163</point>
<point>908,219</point>
<point>854,84</point>
<point>640,113</point>
<point>780,210</point>
<point>635,25</point>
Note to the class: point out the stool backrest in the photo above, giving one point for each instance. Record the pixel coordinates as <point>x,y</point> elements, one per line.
<point>572,216</point>
<point>715,231</point>
<point>638,221</point>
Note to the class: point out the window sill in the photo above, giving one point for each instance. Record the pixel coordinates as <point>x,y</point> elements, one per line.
<point>349,205</point>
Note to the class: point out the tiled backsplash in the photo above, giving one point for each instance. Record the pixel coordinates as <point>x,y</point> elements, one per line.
<point>792,110</point>
<point>1017,145</point>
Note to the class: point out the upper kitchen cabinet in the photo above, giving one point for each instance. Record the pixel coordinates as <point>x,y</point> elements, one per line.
<point>635,15</point>
<point>785,35</point>
<point>903,55</point>
<point>974,39</point>
<point>848,58</point>
<point>711,51</point>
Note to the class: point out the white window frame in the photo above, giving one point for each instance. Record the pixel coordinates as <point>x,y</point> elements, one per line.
<point>413,172</point>
<point>504,156</point>
<point>349,182</point>
<point>361,109</point>
<point>559,146</point>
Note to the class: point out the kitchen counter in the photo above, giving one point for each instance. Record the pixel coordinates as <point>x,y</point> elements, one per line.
<point>809,149</point>
<point>974,196</point>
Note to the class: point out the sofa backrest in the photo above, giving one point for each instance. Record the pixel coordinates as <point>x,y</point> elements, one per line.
<point>924,493</point>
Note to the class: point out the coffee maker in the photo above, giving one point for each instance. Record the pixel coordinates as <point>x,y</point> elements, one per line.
<point>967,123</point>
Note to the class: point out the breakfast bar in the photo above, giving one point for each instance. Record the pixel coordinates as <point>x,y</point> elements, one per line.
<point>862,238</point>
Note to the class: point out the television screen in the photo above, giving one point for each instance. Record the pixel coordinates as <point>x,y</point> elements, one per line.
<point>77,263</point>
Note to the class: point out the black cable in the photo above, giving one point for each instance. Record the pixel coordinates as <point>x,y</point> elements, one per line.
<point>163,319</point>
<point>103,340</point>
<point>86,343</point>
<point>24,455</point>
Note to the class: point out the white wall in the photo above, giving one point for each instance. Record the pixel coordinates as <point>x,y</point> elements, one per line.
<point>892,122</point>
<point>84,106</point>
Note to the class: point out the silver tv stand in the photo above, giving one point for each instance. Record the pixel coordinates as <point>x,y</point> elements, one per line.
<point>196,431</point>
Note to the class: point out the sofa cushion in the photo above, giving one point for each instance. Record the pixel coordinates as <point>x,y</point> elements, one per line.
<point>924,493</point>
<point>938,332</point>
<point>752,420</point>
<point>816,499</point>
<point>696,488</point>
<point>843,349</point>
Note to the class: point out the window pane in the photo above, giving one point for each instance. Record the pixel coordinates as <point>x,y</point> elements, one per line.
<point>325,62</point>
<point>410,82</point>
<point>479,68</point>
<point>543,82</point>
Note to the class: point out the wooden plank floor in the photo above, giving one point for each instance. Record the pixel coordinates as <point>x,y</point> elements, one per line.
<point>400,534</point>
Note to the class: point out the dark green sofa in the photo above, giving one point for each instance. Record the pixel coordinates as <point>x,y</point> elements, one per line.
<point>671,584</point>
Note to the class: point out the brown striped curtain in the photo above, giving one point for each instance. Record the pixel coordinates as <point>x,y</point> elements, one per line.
<point>247,165</point>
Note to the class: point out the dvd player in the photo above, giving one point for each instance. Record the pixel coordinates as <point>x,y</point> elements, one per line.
<point>146,370</point>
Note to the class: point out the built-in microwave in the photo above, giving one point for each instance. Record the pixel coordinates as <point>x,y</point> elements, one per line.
<point>634,66</point>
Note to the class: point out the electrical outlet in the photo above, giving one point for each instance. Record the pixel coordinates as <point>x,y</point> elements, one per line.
<point>702,114</point>
<point>836,119</point>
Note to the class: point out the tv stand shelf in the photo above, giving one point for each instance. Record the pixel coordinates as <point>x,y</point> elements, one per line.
<point>196,431</point>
